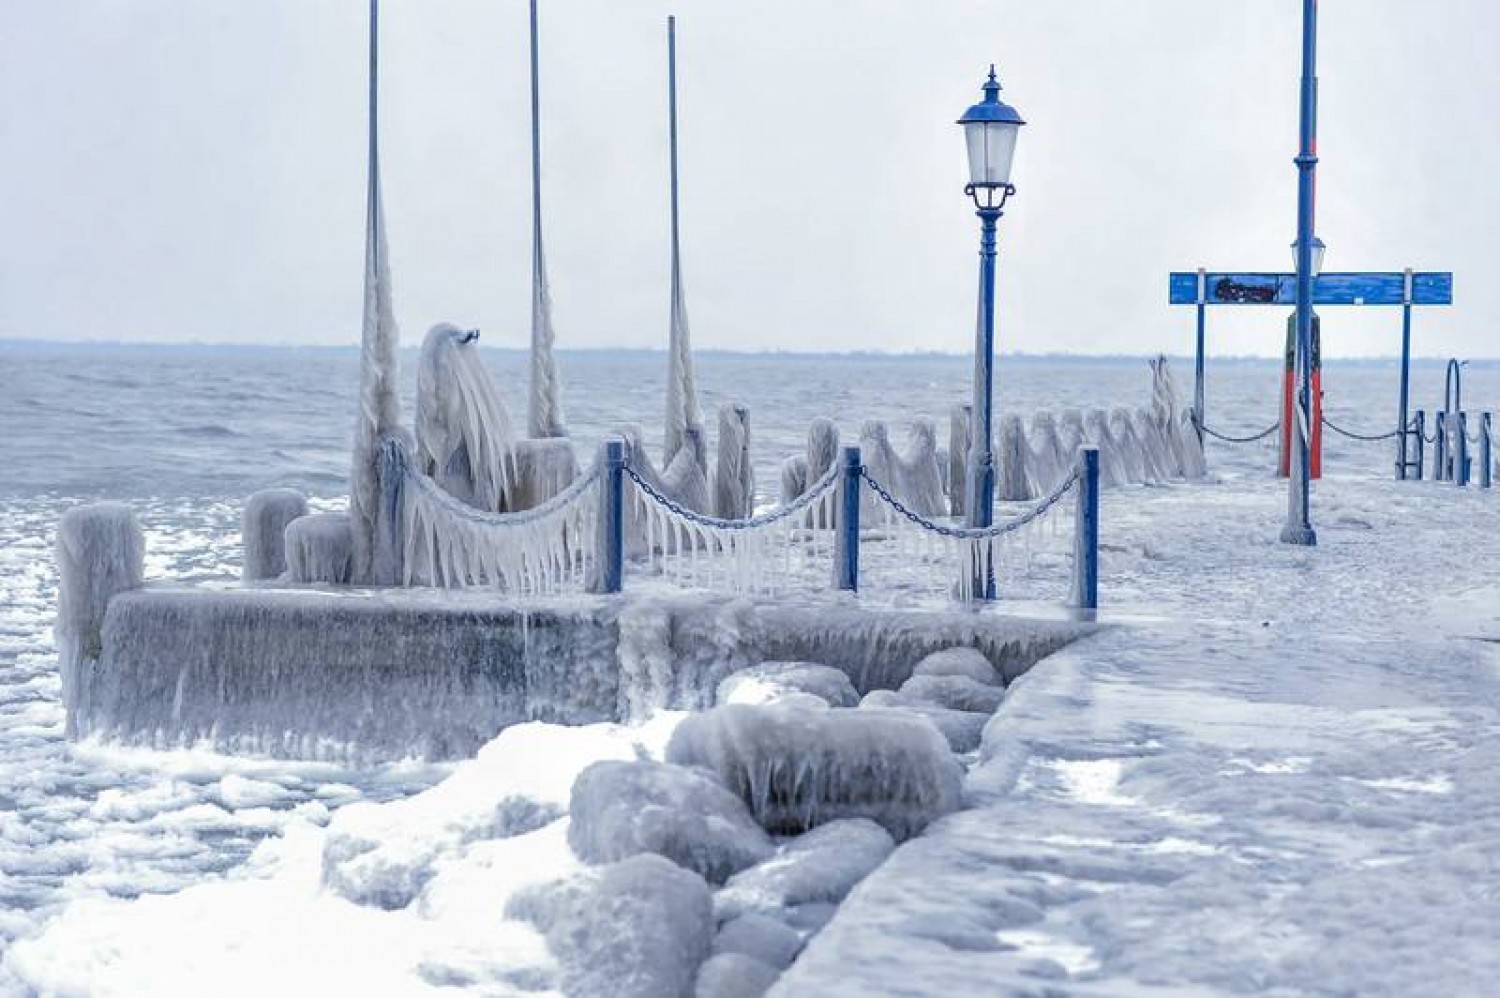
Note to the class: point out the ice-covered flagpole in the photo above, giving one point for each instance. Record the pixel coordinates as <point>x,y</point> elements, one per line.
<point>544,413</point>
<point>682,391</point>
<point>379,406</point>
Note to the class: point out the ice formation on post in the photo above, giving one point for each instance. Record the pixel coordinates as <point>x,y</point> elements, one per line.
<point>686,476</point>
<point>881,464</point>
<point>544,409</point>
<point>797,769</point>
<point>683,413</point>
<point>464,438</point>
<point>263,529</point>
<point>822,447</point>
<point>320,549</point>
<point>101,551</point>
<point>1111,465</point>
<point>734,476</point>
<point>1159,462</point>
<point>379,404</point>
<point>960,439</point>
<point>1047,461</point>
<point>1164,407</point>
<point>920,476</point>
<point>1014,453</point>
<point>1132,451</point>
<point>793,478</point>
<point>1194,463</point>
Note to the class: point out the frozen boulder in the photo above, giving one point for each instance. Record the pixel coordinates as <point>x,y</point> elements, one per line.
<point>764,682</point>
<point>820,867</point>
<point>955,693</point>
<point>622,809</point>
<point>962,661</point>
<point>320,548</point>
<point>963,729</point>
<point>734,975</point>
<point>639,928</point>
<point>263,528</point>
<point>799,768</point>
<point>767,939</point>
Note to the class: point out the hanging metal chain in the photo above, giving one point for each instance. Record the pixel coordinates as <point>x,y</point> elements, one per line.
<point>974,533</point>
<point>1368,438</point>
<point>1234,440</point>
<point>461,510</point>
<point>806,499</point>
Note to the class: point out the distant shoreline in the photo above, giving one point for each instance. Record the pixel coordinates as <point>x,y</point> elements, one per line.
<point>42,346</point>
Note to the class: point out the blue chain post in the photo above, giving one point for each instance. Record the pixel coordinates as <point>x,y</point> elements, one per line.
<point>1486,461</point>
<point>846,539</point>
<point>1461,451</point>
<point>1440,447</point>
<point>611,572</point>
<point>1421,431</point>
<point>1086,527</point>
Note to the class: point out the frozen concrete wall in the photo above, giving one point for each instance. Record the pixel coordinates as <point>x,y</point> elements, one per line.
<point>362,675</point>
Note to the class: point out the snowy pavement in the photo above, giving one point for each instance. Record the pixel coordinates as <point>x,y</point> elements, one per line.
<point>1280,773</point>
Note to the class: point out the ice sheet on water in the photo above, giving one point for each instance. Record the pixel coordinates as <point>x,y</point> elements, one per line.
<point>798,769</point>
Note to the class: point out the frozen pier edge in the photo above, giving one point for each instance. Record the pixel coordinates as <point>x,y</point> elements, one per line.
<point>383,674</point>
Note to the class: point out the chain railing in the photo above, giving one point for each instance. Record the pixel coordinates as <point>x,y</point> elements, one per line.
<point>1229,439</point>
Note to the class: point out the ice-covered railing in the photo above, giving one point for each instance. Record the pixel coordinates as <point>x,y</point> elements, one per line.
<point>914,552</point>
<point>761,554</point>
<point>547,549</point>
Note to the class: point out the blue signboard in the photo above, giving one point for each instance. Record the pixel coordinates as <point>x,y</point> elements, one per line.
<point>1330,289</point>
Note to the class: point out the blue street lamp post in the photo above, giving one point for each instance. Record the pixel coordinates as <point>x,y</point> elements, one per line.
<point>990,130</point>
<point>1299,529</point>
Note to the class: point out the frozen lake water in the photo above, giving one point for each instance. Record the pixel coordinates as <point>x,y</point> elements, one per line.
<point>184,434</point>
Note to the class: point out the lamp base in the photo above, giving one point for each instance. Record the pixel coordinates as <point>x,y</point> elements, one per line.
<point>1302,536</point>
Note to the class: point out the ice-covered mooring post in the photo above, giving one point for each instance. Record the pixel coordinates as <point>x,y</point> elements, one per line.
<point>846,542</point>
<point>263,527</point>
<point>1086,532</point>
<point>610,570</point>
<point>101,552</point>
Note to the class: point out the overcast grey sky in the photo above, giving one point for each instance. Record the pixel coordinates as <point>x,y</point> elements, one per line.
<point>194,169</point>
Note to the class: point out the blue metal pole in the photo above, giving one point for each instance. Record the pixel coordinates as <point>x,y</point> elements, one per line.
<point>1421,429</point>
<point>1486,460</point>
<point>981,506</point>
<point>1440,449</point>
<point>1198,417</point>
<point>612,519</point>
<point>846,540</point>
<point>1405,377</point>
<point>1299,529</point>
<point>1086,554</point>
<point>1461,450</point>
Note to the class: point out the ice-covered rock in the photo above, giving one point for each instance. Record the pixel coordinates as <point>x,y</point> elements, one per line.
<point>639,928</point>
<point>765,682</point>
<point>820,867</point>
<point>955,693</point>
<point>263,529</point>
<point>734,975</point>
<point>769,940</point>
<point>320,548</point>
<point>798,769</point>
<point>961,661</point>
<point>963,729</point>
<point>621,809</point>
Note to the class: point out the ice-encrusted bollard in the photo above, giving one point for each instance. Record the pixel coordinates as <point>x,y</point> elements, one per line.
<point>960,430</point>
<point>319,548</point>
<point>1047,464</point>
<point>734,476</point>
<point>101,552</point>
<point>1014,456</point>
<point>544,467</point>
<point>263,527</point>
<point>800,768</point>
<point>920,477</point>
